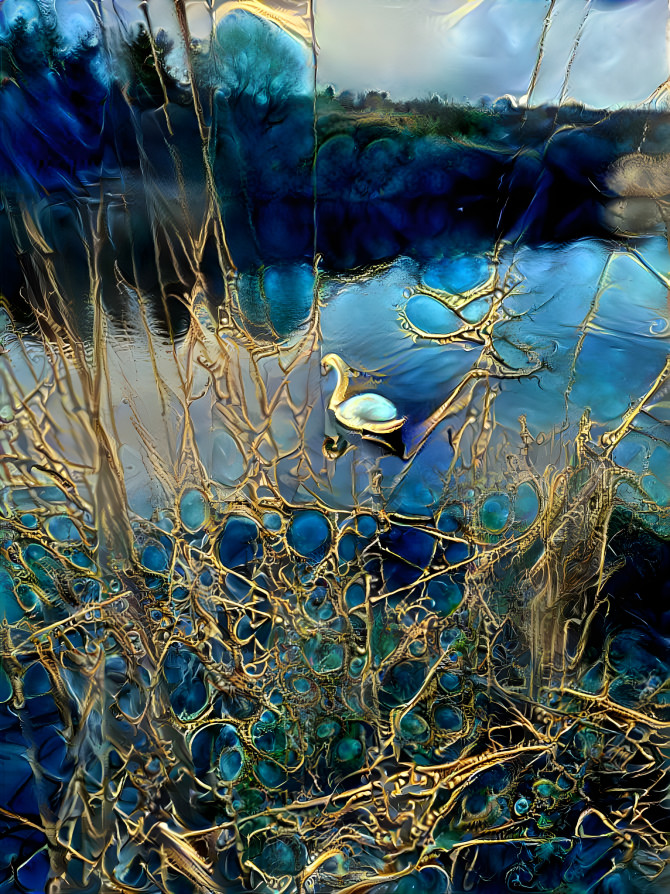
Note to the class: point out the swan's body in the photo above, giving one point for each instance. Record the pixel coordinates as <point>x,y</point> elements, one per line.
<point>366,410</point>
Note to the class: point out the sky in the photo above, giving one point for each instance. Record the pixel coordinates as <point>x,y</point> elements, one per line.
<point>467,49</point>
<point>603,53</point>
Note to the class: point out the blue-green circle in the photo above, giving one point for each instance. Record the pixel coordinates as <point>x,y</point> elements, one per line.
<point>269,774</point>
<point>302,685</point>
<point>367,525</point>
<point>356,666</point>
<point>230,764</point>
<point>272,521</point>
<point>494,512</point>
<point>431,316</point>
<point>62,528</point>
<point>193,509</point>
<point>522,806</point>
<point>448,718</point>
<point>278,859</point>
<point>445,594</point>
<point>526,505</point>
<point>449,682</point>
<point>309,532</point>
<point>154,557</point>
<point>413,726</point>
<point>348,750</point>
<point>451,518</point>
<point>239,542</point>
<point>354,595</point>
<point>346,548</point>
<point>457,273</point>
<point>327,729</point>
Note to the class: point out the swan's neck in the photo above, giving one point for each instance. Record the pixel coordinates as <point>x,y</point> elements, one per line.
<point>334,361</point>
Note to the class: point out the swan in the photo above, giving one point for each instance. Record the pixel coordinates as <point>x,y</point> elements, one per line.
<point>367,412</point>
<point>376,418</point>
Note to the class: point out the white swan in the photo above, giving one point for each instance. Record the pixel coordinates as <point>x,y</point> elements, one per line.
<point>366,412</point>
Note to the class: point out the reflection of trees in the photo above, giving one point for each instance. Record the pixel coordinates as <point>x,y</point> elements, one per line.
<point>150,79</point>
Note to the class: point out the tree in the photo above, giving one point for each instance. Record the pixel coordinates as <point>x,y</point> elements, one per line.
<point>252,57</point>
